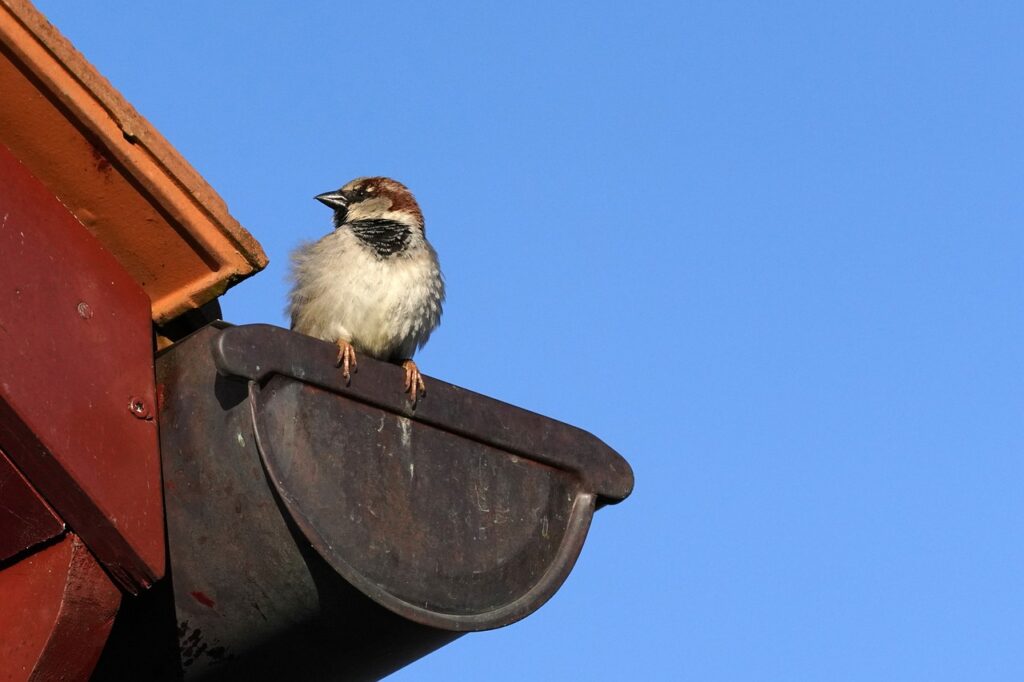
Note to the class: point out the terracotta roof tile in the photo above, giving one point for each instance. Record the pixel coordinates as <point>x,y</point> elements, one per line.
<point>114,171</point>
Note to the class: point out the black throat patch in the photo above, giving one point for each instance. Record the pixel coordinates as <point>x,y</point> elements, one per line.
<point>387,237</point>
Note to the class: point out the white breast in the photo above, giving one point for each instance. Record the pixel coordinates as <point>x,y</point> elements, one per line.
<point>385,307</point>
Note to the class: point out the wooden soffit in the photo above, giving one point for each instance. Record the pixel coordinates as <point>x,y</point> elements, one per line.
<point>114,171</point>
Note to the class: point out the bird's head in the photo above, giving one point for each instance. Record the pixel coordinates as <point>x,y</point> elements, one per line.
<point>377,198</point>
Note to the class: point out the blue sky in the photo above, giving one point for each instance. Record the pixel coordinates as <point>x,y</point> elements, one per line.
<point>770,252</point>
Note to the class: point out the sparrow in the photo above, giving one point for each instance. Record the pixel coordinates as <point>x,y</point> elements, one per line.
<point>373,285</point>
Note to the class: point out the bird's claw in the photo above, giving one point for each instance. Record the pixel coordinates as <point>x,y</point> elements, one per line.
<point>414,385</point>
<point>346,359</point>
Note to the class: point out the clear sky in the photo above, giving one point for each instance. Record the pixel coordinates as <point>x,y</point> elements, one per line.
<point>770,252</point>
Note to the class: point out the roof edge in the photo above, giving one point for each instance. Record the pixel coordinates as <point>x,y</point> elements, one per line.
<point>135,128</point>
<point>158,171</point>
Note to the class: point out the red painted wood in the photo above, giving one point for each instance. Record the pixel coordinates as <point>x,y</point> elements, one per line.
<point>77,400</point>
<point>25,519</point>
<point>55,615</point>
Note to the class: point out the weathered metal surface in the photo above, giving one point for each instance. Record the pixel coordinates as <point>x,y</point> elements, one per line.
<point>25,518</point>
<point>249,594</point>
<point>55,614</point>
<point>259,351</point>
<point>113,171</point>
<point>437,527</point>
<point>441,520</point>
<point>464,513</point>
<point>77,401</point>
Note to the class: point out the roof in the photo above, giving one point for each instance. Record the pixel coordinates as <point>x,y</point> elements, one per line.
<point>114,171</point>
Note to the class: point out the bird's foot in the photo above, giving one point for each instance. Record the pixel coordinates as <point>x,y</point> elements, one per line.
<point>346,359</point>
<point>414,385</point>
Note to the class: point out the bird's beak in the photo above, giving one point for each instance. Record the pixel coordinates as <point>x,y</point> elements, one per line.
<point>335,200</point>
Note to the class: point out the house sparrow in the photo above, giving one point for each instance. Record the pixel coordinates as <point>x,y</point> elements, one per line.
<point>374,284</point>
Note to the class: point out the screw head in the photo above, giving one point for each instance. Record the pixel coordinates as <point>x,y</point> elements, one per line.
<point>137,406</point>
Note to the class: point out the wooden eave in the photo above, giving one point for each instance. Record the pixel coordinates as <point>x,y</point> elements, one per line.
<point>114,171</point>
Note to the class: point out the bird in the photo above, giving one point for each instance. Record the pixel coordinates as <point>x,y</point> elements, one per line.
<point>373,285</point>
